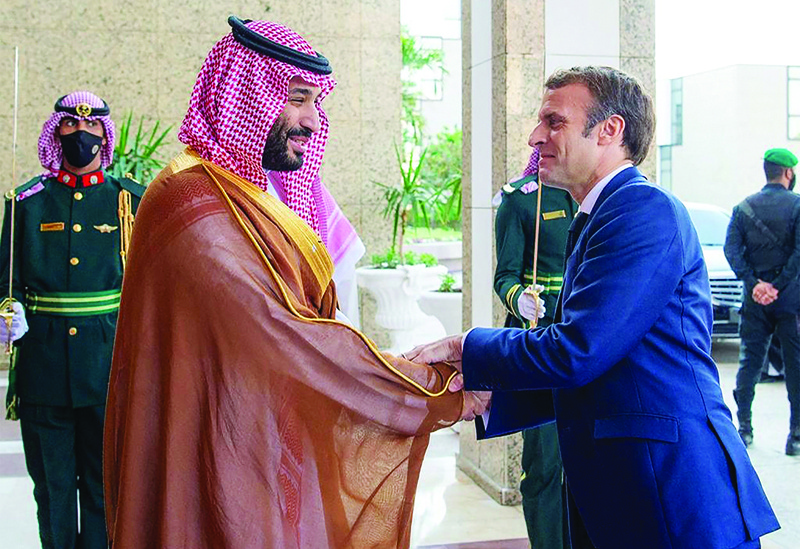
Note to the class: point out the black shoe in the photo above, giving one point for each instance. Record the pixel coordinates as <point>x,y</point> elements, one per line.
<point>793,446</point>
<point>766,378</point>
<point>793,442</point>
<point>747,438</point>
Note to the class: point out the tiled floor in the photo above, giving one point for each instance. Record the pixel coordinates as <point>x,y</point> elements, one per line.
<point>451,512</point>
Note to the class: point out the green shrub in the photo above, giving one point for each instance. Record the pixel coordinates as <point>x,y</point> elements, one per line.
<point>137,156</point>
<point>447,284</point>
<point>391,259</point>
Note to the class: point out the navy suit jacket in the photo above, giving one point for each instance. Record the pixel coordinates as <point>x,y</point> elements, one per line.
<point>651,456</point>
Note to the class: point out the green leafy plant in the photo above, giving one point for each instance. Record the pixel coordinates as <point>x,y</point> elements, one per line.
<point>415,200</point>
<point>448,281</point>
<point>442,172</point>
<point>392,259</point>
<point>137,155</point>
<point>408,198</point>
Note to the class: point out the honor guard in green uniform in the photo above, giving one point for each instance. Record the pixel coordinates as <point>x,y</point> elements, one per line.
<point>543,501</point>
<point>763,248</point>
<point>70,236</point>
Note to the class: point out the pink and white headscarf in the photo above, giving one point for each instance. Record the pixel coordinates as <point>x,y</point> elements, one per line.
<point>50,153</point>
<point>238,96</point>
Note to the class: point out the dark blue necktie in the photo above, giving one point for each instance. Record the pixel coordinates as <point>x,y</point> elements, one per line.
<point>575,229</point>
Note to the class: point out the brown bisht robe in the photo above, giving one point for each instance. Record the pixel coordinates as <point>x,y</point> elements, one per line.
<point>240,416</point>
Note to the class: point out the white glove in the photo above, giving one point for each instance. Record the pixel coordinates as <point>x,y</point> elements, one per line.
<point>18,324</point>
<point>530,305</point>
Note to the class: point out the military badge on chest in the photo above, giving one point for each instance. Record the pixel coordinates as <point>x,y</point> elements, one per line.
<point>106,228</point>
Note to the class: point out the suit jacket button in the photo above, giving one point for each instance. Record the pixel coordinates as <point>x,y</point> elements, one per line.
<point>77,227</point>
<point>78,196</point>
<point>74,261</point>
<point>73,331</point>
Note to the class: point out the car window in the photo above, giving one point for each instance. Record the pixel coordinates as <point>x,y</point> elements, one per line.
<point>711,226</point>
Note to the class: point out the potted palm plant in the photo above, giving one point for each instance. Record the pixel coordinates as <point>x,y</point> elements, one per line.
<point>440,235</point>
<point>397,278</point>
<point>138,155</point>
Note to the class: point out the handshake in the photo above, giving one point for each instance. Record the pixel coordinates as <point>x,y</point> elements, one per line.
<point>449,350</point>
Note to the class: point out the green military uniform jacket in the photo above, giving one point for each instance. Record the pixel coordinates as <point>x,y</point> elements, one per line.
<point>515,228</point>
<point>68,276</point>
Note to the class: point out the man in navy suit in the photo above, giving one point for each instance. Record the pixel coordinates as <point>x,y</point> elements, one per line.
<point>651,457</point>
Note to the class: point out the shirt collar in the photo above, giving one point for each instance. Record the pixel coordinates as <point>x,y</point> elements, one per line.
<point>591,198</point>
<point>77,181</point>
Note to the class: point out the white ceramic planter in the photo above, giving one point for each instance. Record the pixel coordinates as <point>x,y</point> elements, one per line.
<point>446,306</point>
<point>397,292</point>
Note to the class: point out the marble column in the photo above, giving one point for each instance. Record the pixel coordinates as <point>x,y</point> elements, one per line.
<point>509,47</point>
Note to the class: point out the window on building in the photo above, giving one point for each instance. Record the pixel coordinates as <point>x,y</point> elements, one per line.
<point>793,102</point>
<point>665,170</point>
<point>431,77</point>
<point>676,111</point>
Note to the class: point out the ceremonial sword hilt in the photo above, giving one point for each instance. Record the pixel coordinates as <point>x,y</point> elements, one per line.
<point>7,313</point>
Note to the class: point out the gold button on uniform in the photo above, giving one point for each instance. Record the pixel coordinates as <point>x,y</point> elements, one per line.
<point>74,261</point>
<point>77,227</point>
<point>73,331</point>
<point>78,196</point>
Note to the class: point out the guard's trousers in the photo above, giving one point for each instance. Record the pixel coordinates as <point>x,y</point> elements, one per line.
<point>756,327</point>
<point>543,489</point>
<point>64,455</point>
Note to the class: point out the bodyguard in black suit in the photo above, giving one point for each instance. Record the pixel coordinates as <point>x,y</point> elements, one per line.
<point>763,249</point>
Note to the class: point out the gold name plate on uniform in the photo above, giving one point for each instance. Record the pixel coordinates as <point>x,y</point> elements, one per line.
<point>46,227</point>
<point>547,216</point>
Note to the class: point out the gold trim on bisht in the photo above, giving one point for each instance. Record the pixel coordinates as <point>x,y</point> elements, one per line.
<point>307,241</point>
<point>296,229</point>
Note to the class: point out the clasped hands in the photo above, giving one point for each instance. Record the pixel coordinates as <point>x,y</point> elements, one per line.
<point>764,293</point>
<point>450,350</point>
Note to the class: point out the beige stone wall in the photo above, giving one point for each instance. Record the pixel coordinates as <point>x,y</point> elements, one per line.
<point>144,55</point>
<point>637,56</point>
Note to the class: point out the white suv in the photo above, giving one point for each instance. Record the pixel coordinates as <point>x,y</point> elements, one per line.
<point>711,223</point>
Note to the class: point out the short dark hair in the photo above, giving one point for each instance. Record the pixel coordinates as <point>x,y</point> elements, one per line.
<point>773,171</point>
<point>614,92</point>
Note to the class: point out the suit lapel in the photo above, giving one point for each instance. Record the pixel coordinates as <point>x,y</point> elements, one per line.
<point>626,176</point>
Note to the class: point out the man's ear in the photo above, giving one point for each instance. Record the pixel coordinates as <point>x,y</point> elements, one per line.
<point>611,129</point>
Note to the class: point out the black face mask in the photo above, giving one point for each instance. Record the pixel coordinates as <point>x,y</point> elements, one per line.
<point>80,147</point>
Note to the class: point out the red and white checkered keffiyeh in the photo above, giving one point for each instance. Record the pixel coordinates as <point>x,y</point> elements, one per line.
<point>238,96</point>
<point>533,163</point>
<point>531,169</point>
<point>50,153</point>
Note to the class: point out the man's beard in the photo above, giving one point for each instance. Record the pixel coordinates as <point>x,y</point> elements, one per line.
<point>276,150</point>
